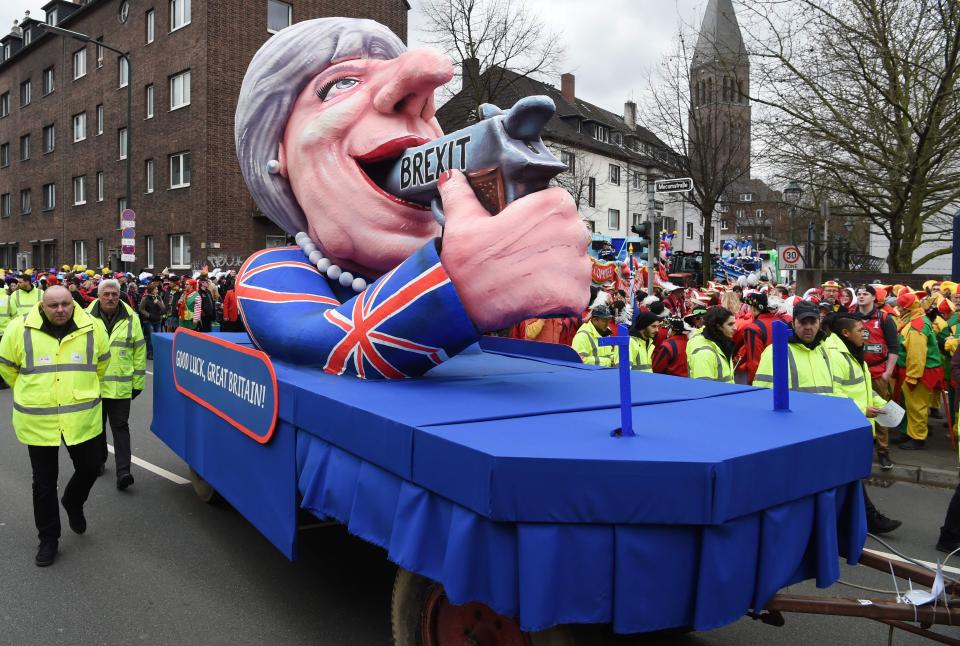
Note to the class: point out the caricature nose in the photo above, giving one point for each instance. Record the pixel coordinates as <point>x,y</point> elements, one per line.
<point>413,78</point>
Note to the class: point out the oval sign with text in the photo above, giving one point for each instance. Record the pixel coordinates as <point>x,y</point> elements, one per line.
<point>236,383</point>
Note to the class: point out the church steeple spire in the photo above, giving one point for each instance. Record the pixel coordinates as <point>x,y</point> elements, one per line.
<point>720,39</point>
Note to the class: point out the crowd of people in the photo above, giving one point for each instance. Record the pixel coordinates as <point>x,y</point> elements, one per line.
<point>74,349</point>
<point>871,343</point>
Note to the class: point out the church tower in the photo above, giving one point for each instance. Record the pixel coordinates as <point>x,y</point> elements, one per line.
<point>720,86</point>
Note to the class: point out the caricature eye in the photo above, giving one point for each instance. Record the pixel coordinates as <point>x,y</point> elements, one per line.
<point>335,87</point>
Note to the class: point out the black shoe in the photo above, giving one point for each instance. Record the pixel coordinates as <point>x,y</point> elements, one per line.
<point>78,522</point>
<point>913,445</point>
<point>885,462</point>
<point>124,481</point>
<point>880,524</point>
<point>946,547</point>
<point>900,439</point>
<point>47,554</point>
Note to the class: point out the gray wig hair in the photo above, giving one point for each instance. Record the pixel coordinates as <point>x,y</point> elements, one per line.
<point>279,71</point>
<point>110,282</point>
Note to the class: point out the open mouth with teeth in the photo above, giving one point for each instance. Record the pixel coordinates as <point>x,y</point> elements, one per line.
<point>375,166</point>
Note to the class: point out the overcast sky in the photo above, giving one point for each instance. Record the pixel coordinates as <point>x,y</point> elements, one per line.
<point>610,44</point>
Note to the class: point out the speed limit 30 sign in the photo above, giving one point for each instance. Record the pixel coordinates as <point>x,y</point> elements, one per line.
<point>790,257</point>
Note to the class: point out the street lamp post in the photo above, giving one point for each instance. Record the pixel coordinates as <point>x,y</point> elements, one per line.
<point>792,194</point>
<point>87,39</point>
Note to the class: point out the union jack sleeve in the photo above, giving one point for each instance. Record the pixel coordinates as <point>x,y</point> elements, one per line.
<point>405,323</point>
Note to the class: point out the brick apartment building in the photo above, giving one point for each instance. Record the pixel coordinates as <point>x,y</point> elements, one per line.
<point>63,115</point>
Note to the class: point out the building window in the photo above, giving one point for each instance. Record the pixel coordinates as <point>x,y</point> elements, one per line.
<point>180,250</point>
<point>180,90</point>
<point>570,159</point>
<point>79,127</point>
<point>637,219</point>
<point>79,63</point>
<point>27,37</point>
<point>25,202</point>
<point>24,147</point>
<point>276,241</point>
<point>121,205</point>
<point>4,155</point>
<point>638,181</point>
<point>123,143</point>
<point>724,225</point>
<point>758,213</point>
<point>99,186</point>
<point>101,253</point>
<point>124,68</point>
<point>151,250</point>
<point>179,14</point>
<point>49,139</point>
<point>148,100</point>
<point>739,213</point>
<point>52,17</point>
<point>689,230</point>
<point>80,252</point>
<point>279,15</point>
<point>25,93</point>
<point>602,133</point>
<point>180,170</point>
<point>151,25</point>
<point>100,119</point>
<point>80,190</point>
<point>592,191</point>
<point>613,219</point>
<point>148,175</point>
<point>99,52</point>
<point>614,174</point>
<point>746,197</point>
<point>4,104</point>
<point>6,205</point>
<point>49,197</point>
<point>47,81</point>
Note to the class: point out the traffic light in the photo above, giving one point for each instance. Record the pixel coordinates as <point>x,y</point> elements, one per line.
<point>642,230</point>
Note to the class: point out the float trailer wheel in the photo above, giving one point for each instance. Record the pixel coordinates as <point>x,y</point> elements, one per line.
<point>202,488</point>
<point>422,615</point>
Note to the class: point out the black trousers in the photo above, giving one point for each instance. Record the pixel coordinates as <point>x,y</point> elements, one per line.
<point>46,464</point>
<point>117,411</point>
<point>950,532</point>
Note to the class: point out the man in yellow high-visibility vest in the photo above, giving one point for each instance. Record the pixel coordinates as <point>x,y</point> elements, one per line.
<point>54,358</point>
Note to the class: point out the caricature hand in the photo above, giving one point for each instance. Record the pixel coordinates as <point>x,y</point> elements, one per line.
<point>528,261</point>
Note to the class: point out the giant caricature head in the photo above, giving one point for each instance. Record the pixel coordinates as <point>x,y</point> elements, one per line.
<point>322,101</point>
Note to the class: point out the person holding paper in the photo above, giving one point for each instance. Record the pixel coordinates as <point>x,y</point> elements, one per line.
<point>851,379</point>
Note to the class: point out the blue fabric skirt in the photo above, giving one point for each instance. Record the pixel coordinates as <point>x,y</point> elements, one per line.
<point>638,578</point>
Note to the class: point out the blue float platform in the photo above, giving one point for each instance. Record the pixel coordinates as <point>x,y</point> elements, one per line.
<point>496,475</point>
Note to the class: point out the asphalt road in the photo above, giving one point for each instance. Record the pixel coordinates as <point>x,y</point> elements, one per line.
<point>157,566</point>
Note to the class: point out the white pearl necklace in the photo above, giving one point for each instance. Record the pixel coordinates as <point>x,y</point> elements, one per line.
<point>332,271</point>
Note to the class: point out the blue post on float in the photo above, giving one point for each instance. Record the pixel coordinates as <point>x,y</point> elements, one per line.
<point>622,343</point>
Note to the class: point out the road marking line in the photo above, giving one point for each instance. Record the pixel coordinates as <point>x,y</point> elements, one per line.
<point>893,557</point>
<point>160,471</point>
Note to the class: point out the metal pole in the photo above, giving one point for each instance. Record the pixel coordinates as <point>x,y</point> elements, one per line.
<point>956,246</point>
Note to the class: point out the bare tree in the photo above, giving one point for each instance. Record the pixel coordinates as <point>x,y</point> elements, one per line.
<point>489,38</point>
<point>576,179</point>
<point>694,114</point>
<point>863,98</point>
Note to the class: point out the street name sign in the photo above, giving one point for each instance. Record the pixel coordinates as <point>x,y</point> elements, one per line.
<point>790,257</point>
<point>678,185</point>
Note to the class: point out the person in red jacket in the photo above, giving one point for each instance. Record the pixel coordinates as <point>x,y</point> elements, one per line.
<point>670,357</point>
<point>231,314</point>
<point>757,335</point>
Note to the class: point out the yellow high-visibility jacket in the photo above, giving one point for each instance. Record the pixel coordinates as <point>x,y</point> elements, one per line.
<point>706,360</point>
<point>6,314</point>
<point>809,370</point>
<point>56,385</point>
<point>641,354</point>
<point>585,343</point>
<point>21,302</point>
<point>851,379</point>
<point>128,354</point>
